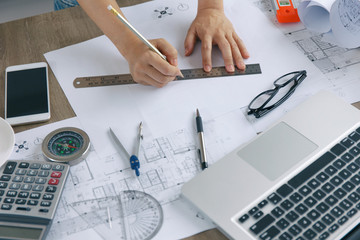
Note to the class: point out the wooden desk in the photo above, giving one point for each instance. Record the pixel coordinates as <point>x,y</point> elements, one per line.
<point>26,40</point>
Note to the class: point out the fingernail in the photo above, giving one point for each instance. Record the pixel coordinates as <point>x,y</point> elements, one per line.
<point>180,74</point>
<point>242,66</point>
<point>174,62</point>
<point>230,68</point>
<point>186,51</point>
<point>207,68</point>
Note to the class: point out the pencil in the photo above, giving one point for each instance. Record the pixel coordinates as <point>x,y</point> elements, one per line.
<point>141,37</point>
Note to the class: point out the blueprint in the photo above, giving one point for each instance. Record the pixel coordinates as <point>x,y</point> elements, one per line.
<point>98,199</point>
<point>340,66</point>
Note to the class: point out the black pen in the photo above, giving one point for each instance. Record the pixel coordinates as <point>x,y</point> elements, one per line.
<point>202,152</point>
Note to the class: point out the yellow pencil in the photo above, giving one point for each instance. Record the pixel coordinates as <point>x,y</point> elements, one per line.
<point>141,37</point>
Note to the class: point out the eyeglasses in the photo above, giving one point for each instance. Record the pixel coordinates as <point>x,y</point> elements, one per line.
<point>270,99</point>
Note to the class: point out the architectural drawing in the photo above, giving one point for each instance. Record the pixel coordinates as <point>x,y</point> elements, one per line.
<point>106,200</point>
<point>335,62</point>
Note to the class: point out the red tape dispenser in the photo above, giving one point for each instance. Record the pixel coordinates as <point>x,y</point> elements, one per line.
<point>285,11</point>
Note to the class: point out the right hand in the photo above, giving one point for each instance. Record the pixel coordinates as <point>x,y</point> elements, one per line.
<point>148,68</point>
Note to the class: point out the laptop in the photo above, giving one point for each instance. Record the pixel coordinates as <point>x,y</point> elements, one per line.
<point>299,179</point>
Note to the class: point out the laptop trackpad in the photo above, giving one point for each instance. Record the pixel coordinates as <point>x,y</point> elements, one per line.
<point>277,150</point>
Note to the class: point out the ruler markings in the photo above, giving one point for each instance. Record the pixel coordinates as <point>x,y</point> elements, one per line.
<point>189,74</point>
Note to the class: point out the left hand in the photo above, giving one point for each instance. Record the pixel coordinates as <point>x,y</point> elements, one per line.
<point>212,27</point>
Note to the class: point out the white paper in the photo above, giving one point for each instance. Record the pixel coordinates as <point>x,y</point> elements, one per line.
<point>172,107</point>
<point>165,164</point>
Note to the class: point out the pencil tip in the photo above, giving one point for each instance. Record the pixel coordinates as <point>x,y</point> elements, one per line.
<point>197,112</point>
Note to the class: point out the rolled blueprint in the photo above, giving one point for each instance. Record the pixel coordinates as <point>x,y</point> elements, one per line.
<point>338,19</point>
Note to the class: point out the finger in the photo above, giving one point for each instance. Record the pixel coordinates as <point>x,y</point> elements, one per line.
<point>190,42</point>
<point>206,48</point>
<point>238,59</point>
<point>146,79</point>
<point>244,52</point>
<point>164,68</point>
<point>225,48</point>
<point>159,77</point>
<point>168,50</point>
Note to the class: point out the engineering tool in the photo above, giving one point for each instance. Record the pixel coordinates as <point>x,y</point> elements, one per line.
<point>31,192</point>
<point>66,145</point>
<point>196,73</point>
<point>134,160</point>
<point>286,11</point>
<point>131,214</point>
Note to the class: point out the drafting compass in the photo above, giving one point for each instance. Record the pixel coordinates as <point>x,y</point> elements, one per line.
<point>134,159</point>
<point>66,145</point>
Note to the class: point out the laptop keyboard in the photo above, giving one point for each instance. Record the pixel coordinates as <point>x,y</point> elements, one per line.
<point>316,202</point>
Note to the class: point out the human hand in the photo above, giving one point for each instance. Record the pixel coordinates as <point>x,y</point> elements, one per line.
<point>148,68</point>
<point>212,27</point>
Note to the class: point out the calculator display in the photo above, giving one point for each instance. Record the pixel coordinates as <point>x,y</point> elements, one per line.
<point>20,232</point>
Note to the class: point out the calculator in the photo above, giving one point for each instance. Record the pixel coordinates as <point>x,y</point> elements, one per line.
<point>29,195</point>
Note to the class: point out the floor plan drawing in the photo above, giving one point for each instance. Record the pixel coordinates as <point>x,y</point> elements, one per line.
<point>104,199</point>
<point>340,65</point>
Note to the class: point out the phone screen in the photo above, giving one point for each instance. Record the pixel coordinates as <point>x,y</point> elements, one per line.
<point>27,92</point>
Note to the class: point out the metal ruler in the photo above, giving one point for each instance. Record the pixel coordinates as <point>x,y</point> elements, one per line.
<point>196,73</point>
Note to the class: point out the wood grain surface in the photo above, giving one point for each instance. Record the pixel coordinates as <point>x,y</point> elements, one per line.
<point>27,40</point>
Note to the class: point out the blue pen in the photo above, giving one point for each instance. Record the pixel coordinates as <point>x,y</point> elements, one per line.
<point>134,160</point>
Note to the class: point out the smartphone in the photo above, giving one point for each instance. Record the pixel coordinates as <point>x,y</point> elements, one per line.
<point>27,94</point>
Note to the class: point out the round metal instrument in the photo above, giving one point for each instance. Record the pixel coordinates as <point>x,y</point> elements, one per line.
<point>66,145</point>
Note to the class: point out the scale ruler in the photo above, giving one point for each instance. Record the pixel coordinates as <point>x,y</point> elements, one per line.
<point>196,73</point>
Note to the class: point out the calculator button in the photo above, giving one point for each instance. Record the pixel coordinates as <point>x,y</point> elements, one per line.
<point>5,178</point>
<point>32,172</point>
<point>20,201</point>
<point>24,165</point>
<point>23,194</point>
<point>26,187</point>
<point>6,206</point>
<point>29,179</point>
<point>40,180</point>
<point>53,181</point>
<point>48,196</point>
<point>2,192</point>
<point>11,193</point>
<point>56,174</point>
<point>23,208</point>
<point>43,210</point>
<point>43,173</point>
<point>20,172</point>
<point>38,188</point>
<point>58,167</point>
<point>46,166</point>
<point>3,185</point>
<point>35,195</point>
<point>18,179</point>
<point>35,165</point>
<point>45,204</point>
<point>32,202</point>
<point>50,189</point>
<point>9,168</point>
<point>14,186</point>
<point>9,200</point>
